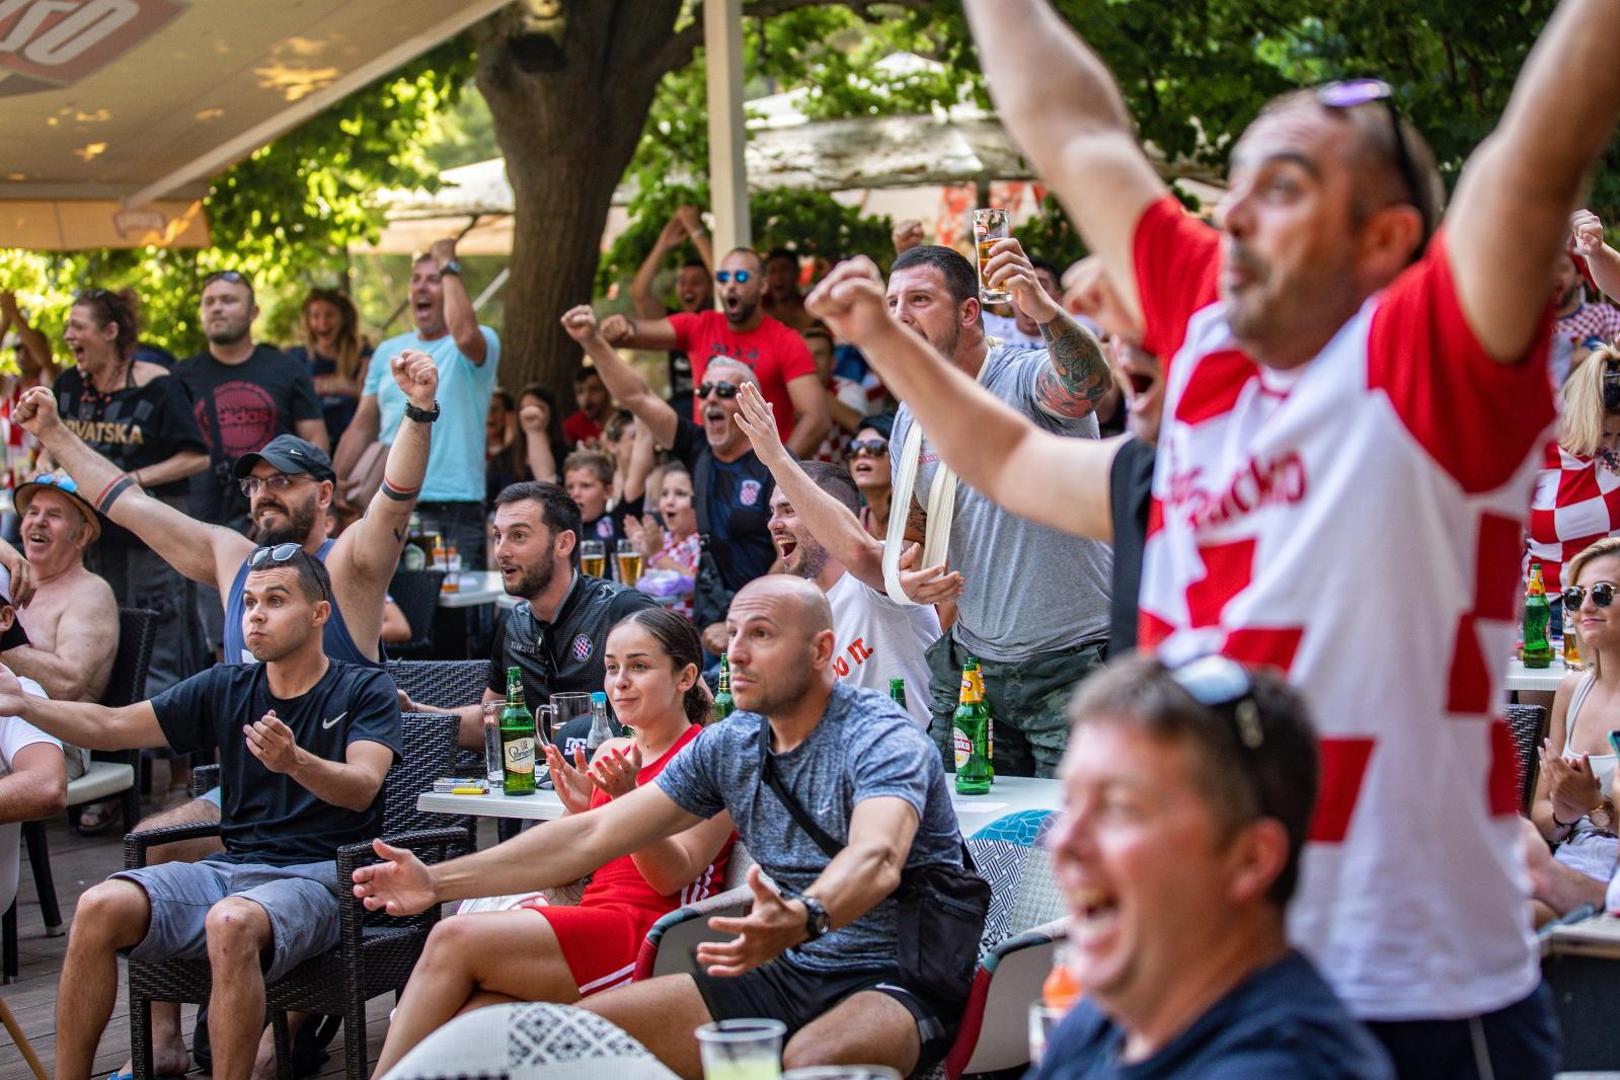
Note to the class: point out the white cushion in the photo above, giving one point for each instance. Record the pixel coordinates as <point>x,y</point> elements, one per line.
<point>100,779</point>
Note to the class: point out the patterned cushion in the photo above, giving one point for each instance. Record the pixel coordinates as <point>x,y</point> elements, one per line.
<point>531,1041</point>
<point>1001,851</point>
<point>1021,827</point>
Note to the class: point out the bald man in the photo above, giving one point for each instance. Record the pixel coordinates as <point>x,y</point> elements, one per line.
<point>818,950</point>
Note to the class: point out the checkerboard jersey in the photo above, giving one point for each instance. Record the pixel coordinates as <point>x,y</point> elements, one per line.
<point>1576,502</point>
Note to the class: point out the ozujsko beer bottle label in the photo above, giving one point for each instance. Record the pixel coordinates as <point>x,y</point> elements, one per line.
<point>520,756</point>
<point>963,746</point>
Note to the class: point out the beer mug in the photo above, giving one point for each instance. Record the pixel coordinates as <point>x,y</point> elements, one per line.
<point>593,558</point>
<point>630,563</point>
<point>549,719</point>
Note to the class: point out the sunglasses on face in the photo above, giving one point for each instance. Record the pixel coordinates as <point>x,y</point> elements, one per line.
<point>724,276</point>
<point>1602,596</point>
<point>1223,686</point>
<point>869,447</point>
<point>281,553</point>
<point>1356,92</point>
<point>276,485</point>
<point>720,389</point>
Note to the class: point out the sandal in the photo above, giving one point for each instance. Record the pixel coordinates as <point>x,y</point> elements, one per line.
<point>97,818</point>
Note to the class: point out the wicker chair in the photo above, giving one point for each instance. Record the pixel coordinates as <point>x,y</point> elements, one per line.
<point>445,684</point>
<point>1529,726</point>
<point>375,953</point>
<point>417,594</point>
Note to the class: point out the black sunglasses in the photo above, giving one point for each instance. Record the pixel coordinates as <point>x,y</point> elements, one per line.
<point>1602,596</point>
<point>1355,92</point>
<point>873,447</point>
<point>1224,687</point>
<point>721,389</point>
<point>284,553</point>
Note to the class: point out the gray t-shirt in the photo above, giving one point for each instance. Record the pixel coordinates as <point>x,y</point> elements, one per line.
<point>864,747</point>
<point>1027,588</point>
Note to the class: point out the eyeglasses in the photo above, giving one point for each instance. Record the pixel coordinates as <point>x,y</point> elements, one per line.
<point>283,553</point>
<point>724,276</point>
<point>870,447</point>
<point>276,485</point>
<point>1355,92</point>
<point>1224,687</point>
<point>722,389</point>
<point>1602,596</point>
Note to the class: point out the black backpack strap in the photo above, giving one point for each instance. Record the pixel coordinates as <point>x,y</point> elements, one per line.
<point>827,844</point>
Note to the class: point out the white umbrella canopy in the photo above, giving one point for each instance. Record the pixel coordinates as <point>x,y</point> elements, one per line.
<point>133,101</point>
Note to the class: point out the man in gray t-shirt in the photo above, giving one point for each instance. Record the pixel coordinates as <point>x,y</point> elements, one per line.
<point>818,948</point>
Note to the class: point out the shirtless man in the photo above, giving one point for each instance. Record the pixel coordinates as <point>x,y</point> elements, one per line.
<point>72,621</point>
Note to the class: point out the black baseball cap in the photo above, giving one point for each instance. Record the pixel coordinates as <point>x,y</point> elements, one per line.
<point>288,454</point>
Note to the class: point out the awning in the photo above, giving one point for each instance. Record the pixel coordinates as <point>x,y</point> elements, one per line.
<point>134,103</point>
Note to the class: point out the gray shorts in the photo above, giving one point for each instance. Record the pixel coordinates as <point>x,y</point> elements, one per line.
<point>300,900</point>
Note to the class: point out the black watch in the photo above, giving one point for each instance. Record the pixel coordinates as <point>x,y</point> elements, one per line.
<point>816,920</point>
<point>422,416</point>
<point>451,267</point>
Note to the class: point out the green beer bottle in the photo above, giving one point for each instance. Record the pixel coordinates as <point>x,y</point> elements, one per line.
<point>897,692</point>
<point>989,718</point>
<point>1537,618</point>
<point>517,738</point>
<point>723,705</point>
<point>970,734</point>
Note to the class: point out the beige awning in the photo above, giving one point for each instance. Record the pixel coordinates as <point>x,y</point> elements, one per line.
<point>134,103</point>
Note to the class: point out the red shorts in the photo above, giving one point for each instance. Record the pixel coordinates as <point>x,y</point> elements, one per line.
<point>599,944</point>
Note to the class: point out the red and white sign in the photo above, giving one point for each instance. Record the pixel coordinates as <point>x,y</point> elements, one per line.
<point>47,44</point>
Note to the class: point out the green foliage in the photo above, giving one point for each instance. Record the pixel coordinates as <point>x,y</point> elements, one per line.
<point>1050,235</point>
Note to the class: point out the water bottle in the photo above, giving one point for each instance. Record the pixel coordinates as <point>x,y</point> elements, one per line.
<point>601,730</point>
<point>494,764</point>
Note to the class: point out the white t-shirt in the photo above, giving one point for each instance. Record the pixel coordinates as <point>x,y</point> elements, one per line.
<point>15,734</point>
<point>876,640</point>
<point>1356,522</point>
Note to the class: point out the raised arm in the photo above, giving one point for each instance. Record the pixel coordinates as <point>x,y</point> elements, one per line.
<point>646,304</point>
<point>205,553</point>
<point>361,433</point>
<point>991,447</point>
<point>689,217</point>
<point>535,423</point>
<point>623,332</point>
<point>1507,221</point>
<point>1601,259</point>
<point>642,453</point>
<point>33,342</point>
<point>459,314</point>
<point>627,387</point>
<point>371,547</point>
<point>1060,103</point>
<point>83,723</point>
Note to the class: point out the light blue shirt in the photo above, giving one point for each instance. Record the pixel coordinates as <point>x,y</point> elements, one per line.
<point>455,471</point>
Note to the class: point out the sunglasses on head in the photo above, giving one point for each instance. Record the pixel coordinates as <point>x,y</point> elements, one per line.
<point>724,276</point>
<point>1602,596</point>
<point>720,389</point>
<point>1224,687</point>
<point>1356,92</point>
<point>233,277</point>
<point>281,553</point>
<point>870,447</point>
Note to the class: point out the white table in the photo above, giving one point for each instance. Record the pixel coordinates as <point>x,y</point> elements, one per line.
<point>1520,677</point>
<point>475,588</point>
<point>1010,794</point>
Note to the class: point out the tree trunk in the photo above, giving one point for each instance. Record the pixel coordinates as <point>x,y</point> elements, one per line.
<point>569,96</point>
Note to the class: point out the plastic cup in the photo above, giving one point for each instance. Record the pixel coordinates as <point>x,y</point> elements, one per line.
<point>741,1049</point>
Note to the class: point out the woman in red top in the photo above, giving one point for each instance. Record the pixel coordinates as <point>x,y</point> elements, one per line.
<point>543,952</point>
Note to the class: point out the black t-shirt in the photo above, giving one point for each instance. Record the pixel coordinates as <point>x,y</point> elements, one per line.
<point>1282,1020</point>
<point>738,505</point>
<point>609,528</point>
<point>133,427</point>
<point>1130,491</point>
<point>268,817</point>
<point>256,400</point>
<point>564,656</point>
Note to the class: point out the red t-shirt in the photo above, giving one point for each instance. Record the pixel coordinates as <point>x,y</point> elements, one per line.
<point>579,428</point>
<point>776,354</point>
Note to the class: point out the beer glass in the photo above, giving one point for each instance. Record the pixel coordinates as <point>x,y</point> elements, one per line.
<point>989,229</point>
<point>593,558</point>
<point>629,558</point>
<point>741,1049</point>
<point>549,719</point>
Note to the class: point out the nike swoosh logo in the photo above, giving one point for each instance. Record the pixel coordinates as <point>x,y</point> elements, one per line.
<point>328,724</point>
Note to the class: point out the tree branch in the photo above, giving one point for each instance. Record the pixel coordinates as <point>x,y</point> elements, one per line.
<point>678,49</point>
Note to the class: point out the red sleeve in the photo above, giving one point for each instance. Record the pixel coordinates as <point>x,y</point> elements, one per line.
<point>1177,257</point>
<point>685,324</point>
<point>1477,418</point>
<point>793,355</point>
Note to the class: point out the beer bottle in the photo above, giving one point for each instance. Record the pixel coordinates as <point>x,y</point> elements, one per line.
<point>897,693</point>
<point>517,738</point>
<point>970,735</point>
<point>1537,616</point>
<point>989,718</point>
<point>723,705</point>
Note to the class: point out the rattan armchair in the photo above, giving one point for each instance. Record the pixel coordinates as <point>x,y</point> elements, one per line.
<point>375,953</point>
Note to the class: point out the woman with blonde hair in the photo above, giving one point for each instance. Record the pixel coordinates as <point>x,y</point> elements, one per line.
<point>1575,793</point>
<point>1577,495</point>
<point>335,354</point>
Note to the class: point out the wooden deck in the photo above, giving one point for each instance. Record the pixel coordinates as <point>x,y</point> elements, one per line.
<point>79,862</point>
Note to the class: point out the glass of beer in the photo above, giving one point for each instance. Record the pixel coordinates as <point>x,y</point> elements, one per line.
<point>741,1049</point>
<point>630,560</point>
<point>989,229</point>
<point>593,558</point>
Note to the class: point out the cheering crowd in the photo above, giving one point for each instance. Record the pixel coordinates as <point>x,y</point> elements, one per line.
<point>1259,637</point>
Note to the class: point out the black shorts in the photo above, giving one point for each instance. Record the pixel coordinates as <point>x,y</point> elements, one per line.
<point>782,990</point>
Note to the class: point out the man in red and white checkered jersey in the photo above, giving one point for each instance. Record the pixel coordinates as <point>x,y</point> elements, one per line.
<point>1353,420</point>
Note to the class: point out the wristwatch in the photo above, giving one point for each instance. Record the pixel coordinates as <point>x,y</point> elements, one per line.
<point>816,920</point>
<point>451,267</point>
<point>1602,816</point>
<point>422,416</point>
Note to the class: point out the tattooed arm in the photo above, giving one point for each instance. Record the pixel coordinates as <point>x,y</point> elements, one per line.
<point>1079,375</point>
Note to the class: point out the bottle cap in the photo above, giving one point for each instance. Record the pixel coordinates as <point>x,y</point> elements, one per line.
<point>598,695</point>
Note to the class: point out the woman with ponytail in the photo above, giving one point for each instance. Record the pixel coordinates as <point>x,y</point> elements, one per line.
<point>546,952</point>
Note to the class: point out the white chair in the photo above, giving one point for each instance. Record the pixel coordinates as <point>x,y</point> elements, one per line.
<point>529,1041</point>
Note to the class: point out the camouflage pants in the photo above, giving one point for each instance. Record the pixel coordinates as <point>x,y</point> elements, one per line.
<point>1028,702</point>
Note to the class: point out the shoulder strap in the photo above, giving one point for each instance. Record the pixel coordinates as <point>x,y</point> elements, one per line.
<point>216,451</point>
<point>826,843</point>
